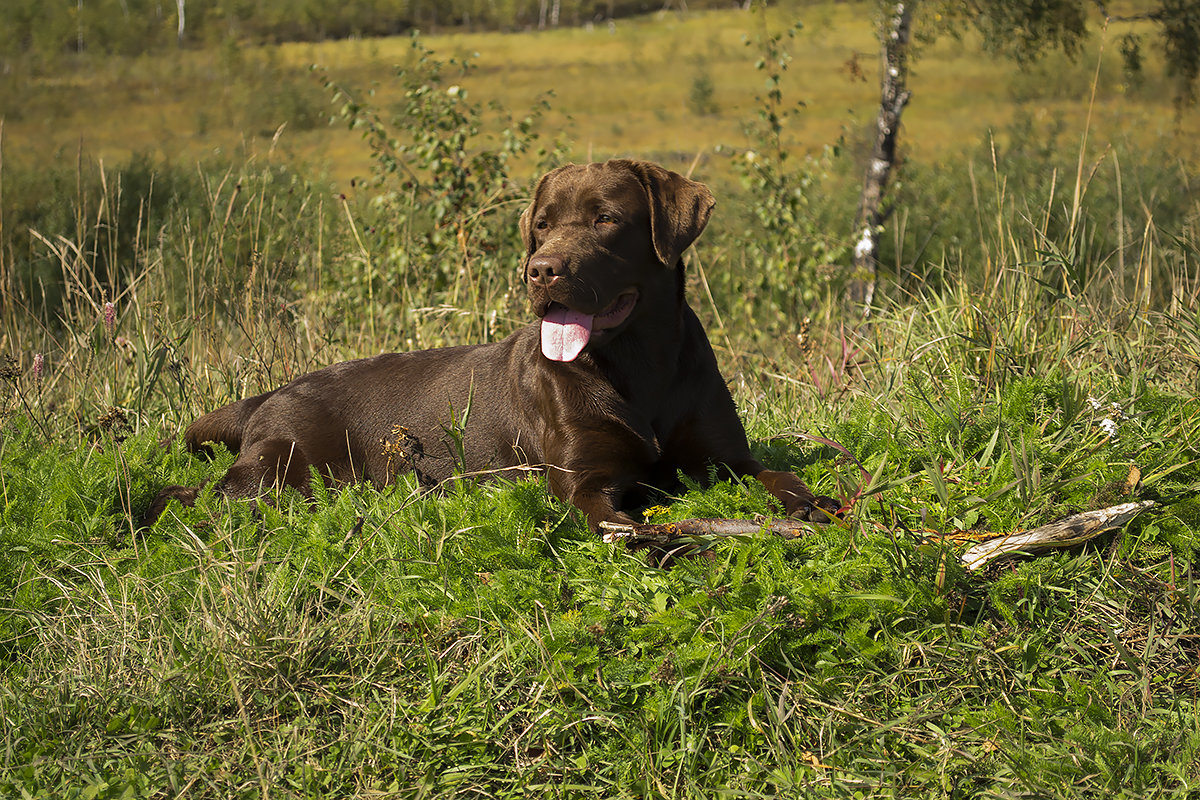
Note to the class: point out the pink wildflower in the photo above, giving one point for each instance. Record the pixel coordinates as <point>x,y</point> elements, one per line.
<point>110,317</point>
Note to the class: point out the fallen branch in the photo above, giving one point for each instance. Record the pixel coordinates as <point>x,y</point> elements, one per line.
<point>1064,533</point>
<point>665,533</point>
<point>1055,535</point>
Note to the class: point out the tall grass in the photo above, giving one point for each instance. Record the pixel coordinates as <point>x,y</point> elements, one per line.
<point>120,297</point>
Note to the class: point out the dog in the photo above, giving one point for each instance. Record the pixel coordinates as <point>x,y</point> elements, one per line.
<point>615,387</point>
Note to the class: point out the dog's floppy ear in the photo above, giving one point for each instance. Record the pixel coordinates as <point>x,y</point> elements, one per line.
<point>679,209</point>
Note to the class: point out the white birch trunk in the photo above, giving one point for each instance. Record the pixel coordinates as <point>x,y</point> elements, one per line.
<point>893,97</point>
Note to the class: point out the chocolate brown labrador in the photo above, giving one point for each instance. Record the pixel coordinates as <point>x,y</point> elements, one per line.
<point>613,390</point>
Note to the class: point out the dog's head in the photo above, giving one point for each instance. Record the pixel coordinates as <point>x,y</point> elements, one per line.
<point>604,246</point>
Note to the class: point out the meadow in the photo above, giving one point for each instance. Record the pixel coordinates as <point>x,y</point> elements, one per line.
<point>670,86</point>
<point>1035,352</point>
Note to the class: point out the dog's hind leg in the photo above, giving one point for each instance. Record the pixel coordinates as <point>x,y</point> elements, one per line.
<point>263,465</point>
<point>225,425</point>
<point>184,494</point>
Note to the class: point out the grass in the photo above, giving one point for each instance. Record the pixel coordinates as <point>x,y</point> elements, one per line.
<point>478,641</point>
<point>481,642</point>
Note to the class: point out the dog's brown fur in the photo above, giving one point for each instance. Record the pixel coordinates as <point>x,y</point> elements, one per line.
<point>642,401</point>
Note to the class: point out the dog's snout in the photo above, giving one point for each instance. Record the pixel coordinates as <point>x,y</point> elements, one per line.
<point>544,269</point>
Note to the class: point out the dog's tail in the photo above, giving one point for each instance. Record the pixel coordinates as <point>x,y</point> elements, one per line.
<point>225,425</point>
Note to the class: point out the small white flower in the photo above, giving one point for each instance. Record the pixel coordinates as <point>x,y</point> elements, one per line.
<point>1117,412</point>
<point>751,156</point>
<point>1095,404</point>
<point>453,90</point>
<point>1109,427</point>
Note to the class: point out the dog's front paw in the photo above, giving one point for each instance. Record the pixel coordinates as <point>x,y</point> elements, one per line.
<point>820,509</point>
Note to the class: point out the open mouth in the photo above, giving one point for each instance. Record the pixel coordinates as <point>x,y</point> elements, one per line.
<point>617,312</point>
<point>566,332</point>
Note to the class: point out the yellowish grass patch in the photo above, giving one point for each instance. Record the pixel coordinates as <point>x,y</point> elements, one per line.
<point>616,91</point>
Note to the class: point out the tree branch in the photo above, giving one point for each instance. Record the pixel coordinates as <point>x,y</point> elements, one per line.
<point>1055,535</point>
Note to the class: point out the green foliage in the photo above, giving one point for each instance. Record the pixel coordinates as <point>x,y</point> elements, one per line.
<point>480,639</point>
<point>700,99</point>
<point>80,235</point>
<point>270,97</point>
<point>1083,241</point>
<point>1026,30</point>
<point>102,213</point>
<point>443,185</point>
<point>43,31</point>
<point>790,261</point>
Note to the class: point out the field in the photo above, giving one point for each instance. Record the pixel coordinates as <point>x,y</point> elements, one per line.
<point>1035,353</point>
<point>630,91</point>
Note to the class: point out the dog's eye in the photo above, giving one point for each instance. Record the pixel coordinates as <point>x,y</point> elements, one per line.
<point>605,219</point>
<point>541,225</point>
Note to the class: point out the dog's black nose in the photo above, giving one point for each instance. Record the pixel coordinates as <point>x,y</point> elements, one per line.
<point>544,269</point>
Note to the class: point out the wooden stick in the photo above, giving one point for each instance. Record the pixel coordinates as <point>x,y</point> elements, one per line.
<point>1064,533</point>
<point>670,532</point>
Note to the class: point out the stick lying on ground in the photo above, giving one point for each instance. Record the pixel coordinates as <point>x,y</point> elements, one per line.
<point>666,533</point>
<point>1064,533</point>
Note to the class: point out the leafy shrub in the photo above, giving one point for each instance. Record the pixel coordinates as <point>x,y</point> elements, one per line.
<point>443,197</point>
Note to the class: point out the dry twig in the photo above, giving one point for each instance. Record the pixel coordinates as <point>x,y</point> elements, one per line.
<point>1064,533</point>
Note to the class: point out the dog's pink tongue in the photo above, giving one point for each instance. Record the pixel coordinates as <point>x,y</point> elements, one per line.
<point>564,333</point>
